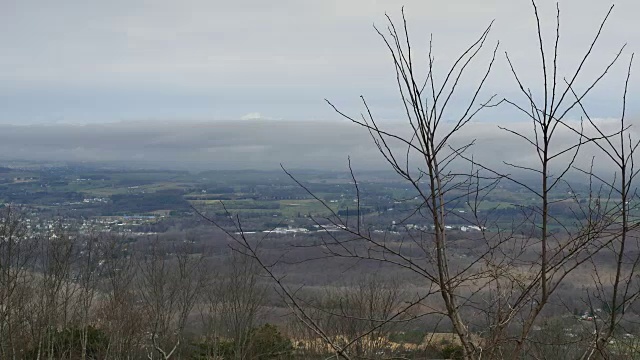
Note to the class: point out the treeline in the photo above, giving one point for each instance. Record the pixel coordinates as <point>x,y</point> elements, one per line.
<point>146,202</point>
<point>67,296</point>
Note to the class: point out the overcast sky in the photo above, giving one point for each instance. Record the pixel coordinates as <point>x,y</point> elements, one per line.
<point>96,61</point>
<point>192,63</point>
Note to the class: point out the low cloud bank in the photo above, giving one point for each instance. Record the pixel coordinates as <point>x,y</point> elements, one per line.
<point>257,144</point>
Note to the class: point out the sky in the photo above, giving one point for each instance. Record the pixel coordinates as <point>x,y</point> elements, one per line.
<point>136,66</point>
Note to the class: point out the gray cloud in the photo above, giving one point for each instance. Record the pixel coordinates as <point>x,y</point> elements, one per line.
<point>257,144</point>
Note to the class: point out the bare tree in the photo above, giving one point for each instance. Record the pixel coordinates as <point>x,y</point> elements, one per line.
<point>352,310</point>
<point>118,312</point>
<point>233,305</point>
<point>89,273</point>
<point>614,294</point>
<point>53,290</point>
<point>16,257</point>
<point>426,164</point>
<point>564,246</point>
<point>168,286</point>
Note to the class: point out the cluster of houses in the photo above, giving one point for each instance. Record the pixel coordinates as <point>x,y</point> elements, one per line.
<point>464,228</point>
<point>121,224</point>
